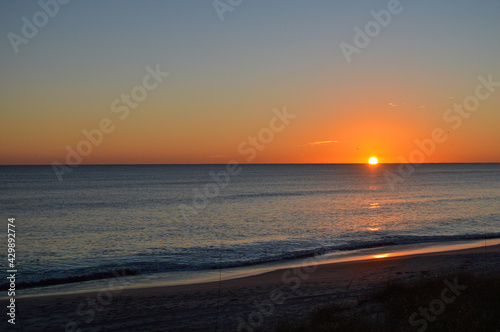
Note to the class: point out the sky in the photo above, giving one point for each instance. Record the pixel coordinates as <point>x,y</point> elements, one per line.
<point>254,82</point>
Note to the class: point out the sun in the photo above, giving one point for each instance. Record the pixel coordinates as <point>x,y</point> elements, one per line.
<point>373,161</point>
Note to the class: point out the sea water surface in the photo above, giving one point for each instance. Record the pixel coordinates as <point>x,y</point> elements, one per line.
<point>155,222</point>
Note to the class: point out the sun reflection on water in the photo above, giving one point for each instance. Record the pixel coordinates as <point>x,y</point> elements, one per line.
<point>381,256</point>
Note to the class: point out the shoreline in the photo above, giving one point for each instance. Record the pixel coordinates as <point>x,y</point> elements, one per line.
<point>293,291</point>
<point>329,265</point>
<point>207,276</point>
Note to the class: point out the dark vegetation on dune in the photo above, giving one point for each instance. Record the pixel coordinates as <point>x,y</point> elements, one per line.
<point>389,308</point>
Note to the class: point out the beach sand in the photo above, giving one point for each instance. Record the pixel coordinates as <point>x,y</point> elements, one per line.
<point>255,301</point>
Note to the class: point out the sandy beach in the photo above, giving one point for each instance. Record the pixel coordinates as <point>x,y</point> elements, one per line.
<point>240,304</point>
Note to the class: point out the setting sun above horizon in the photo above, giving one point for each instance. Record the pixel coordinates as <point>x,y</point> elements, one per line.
<point>373,161</point>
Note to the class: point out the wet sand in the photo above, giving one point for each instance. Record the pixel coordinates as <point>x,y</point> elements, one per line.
<point>238,304</point>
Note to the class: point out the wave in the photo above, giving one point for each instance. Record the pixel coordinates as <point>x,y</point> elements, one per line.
<point>76,278</point>
<point>291,193</point>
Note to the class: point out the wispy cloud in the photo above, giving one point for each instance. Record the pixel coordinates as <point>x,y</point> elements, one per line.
<point>318,143</point>
<point>393,105</point>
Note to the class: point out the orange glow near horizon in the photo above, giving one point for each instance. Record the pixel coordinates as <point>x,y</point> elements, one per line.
<point>347,137</point>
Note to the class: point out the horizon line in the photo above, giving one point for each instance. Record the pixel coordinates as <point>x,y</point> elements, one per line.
<point>194,164</point>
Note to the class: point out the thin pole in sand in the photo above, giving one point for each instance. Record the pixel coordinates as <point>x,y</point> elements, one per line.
<point>218,295</point>
<point>348,287</point>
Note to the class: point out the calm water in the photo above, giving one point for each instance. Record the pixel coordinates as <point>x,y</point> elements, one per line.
<point>105,218</point>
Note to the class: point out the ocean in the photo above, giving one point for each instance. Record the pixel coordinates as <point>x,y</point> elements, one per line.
<point>174,223</point>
